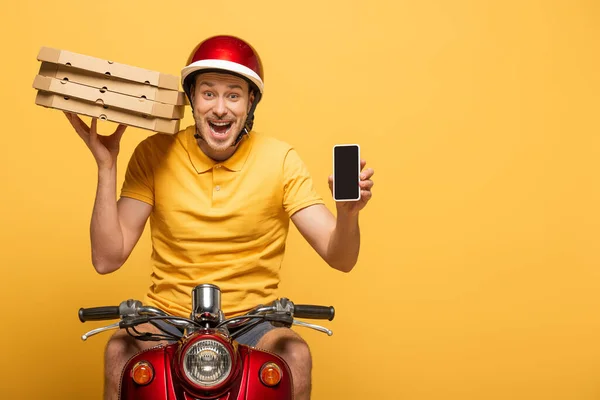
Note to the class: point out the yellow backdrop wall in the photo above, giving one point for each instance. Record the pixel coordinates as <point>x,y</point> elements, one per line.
<point>479,273</point>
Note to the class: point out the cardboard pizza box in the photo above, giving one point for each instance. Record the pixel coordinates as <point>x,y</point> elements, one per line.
<point>113,84</point>
<point>124,102</point>
<point>109,68</point>
<point>106,113</point>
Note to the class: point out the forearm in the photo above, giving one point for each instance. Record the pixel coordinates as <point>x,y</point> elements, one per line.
<point>344,243</point>
<point>105,230</point>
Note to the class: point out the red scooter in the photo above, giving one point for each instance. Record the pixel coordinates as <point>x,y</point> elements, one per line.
<point>203,359</point>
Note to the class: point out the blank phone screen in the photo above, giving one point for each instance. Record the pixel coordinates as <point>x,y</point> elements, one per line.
<point>345,173</point>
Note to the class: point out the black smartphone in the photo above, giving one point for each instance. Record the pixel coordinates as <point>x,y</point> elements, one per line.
<point>346,172</point>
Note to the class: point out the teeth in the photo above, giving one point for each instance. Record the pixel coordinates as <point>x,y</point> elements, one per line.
<point>220,123</point>
<point>219,133</point>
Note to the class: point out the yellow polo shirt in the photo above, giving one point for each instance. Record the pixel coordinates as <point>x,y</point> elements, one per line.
<point>224,223</point>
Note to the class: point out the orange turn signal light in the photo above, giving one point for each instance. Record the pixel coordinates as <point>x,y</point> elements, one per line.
<point>142,373</point>
<point>270,374</point>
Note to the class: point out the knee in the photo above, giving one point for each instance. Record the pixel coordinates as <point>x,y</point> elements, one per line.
<point>296,354</point>
<point>299,353</point>
<point>116,345</point>
<point>292,348</point>
<point>119,349</point>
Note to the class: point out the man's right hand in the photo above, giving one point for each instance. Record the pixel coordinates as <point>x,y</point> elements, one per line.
<point>104,148</point>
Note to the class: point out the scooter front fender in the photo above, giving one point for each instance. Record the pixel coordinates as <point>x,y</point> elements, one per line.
<point>165,385</point>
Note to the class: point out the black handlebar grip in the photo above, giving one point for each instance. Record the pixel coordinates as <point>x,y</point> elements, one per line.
<point>98,313</point>
<point>314,312</point>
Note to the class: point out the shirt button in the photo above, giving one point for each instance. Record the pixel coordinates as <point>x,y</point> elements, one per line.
<point>217,188</point>
<point>217,166</point>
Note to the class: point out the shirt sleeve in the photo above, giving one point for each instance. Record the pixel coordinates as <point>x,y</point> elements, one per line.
<point>139,177</point>
<point>298,188</point>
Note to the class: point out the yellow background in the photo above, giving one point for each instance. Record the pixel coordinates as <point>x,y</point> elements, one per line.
<point>479,273</point>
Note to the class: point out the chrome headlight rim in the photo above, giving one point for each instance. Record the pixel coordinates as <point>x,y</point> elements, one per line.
<point>224,379</point>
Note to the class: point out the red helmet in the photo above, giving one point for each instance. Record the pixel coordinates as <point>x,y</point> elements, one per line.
<point>231,55</point>
<point>227,54</point>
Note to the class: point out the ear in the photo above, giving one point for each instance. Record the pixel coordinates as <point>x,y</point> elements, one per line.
<point>250,100</point>
<point>192,93</point>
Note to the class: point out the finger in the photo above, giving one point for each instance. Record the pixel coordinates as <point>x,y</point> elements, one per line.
<point>366,174</point>
<point>120,129</point>
<point>114,140</point>
<point>94,126</point>
<point>366,195</point>
<point>94,130</point>
<point>367,185</point>
<point>362,164</point>
<point>79,122</point>
<point>70,118</point>
<point>79,126</point>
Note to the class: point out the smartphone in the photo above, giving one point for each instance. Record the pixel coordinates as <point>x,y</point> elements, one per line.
<point>346,172</point>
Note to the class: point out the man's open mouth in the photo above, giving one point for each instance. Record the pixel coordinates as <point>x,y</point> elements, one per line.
<point>221,127</point>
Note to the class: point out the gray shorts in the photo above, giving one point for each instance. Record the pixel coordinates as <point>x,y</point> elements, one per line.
<point>250,338</point>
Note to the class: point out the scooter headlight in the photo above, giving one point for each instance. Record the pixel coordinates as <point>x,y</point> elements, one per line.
<point>207,363</point>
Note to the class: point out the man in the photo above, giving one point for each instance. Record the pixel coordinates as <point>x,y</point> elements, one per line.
<point>219,198</point>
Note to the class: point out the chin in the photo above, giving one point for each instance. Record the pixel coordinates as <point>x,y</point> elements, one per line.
<point>217,145</point>
<point>220,147</point>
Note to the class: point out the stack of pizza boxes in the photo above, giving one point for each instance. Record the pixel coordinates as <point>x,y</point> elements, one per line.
<point>109,91</point>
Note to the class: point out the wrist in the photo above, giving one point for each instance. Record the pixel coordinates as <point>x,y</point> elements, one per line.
<point>346,219</point>
<point>106,171</point>
<point>346,210</point>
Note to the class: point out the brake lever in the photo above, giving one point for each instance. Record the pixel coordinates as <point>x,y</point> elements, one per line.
<point>313,326</point>
<point>100,330</point>
<point>122,324</point>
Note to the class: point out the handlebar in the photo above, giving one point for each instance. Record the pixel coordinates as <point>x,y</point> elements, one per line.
<point>99,313</point>
<point>314,312</point>
<point>281,312</point>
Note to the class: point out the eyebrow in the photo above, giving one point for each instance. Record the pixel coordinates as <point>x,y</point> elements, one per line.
<point>210,84</point>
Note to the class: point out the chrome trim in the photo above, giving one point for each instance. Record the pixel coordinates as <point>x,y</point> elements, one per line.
<point>100,330</point>
<point>312,326</point>
<point>206,303</point>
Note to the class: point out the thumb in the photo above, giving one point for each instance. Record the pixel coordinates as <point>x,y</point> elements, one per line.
<point>115,138</point>
<point>119,131</point>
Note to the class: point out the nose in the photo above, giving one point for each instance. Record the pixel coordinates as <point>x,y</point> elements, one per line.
<point>220,108</point>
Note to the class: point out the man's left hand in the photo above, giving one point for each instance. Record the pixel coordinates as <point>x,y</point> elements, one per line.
<point>353,207</point>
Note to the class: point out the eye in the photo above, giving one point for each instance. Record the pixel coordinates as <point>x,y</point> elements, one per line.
<point>208,94</point>
<point>234,96</point>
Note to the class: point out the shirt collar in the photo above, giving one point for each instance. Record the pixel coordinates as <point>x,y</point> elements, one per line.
<point>203,163</point>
